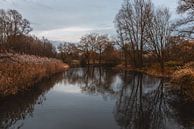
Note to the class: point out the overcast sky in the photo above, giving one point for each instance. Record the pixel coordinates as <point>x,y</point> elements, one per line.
<point>68,20</point>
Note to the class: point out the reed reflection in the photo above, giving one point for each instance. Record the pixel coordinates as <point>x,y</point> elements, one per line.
<point>21,106</point>
<point>139,101</point>
<point>142,102</point>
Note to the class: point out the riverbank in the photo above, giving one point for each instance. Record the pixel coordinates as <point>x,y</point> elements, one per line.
<point>182,77</point>
<point>153,70</point>
<point>21,72</point>
<point>184,80</point>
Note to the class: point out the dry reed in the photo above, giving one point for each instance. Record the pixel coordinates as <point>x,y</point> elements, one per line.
<point>21,72</point>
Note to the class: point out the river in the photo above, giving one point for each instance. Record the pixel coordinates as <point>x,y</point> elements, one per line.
<point>97,98</point>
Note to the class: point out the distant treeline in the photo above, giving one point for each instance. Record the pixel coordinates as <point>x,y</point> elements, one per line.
<point>14,36</point>
<point>145,36</point>
<point>93,49</point>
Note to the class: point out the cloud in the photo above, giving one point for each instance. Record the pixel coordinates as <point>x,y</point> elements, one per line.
<point>171,4</point>
<point>70,19</point>
<point>71,34</point>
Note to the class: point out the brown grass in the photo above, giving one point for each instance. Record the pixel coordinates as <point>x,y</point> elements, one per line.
<point>185,72</point>
<point>156,70</point>
<point>184,78</point>
<point>153,70</point>
<point>20,72</point>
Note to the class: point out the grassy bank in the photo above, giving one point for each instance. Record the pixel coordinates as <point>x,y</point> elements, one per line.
<point>182,76</point>
<point>184,80</point>
<point>153,70</point>
<point>21,72</point>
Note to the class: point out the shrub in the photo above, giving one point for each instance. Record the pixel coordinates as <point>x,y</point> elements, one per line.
<point>173,64</point>
<point>83,62</point>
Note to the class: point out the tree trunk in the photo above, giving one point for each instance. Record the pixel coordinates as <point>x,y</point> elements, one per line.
<point>100,59</point>
<point>125,56</point>
<point>162,64</point>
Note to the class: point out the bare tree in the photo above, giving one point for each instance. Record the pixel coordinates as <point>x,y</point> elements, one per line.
<point>133,20</point>
<point>94,44</point>
<point>3,26</point>
<point>68,51</point>
<point>158,33</point>
<point>87,45</point>
<point>184,26</point>
<point>101,43</point>
<point>12,25</point>
<point>120,40</point>
<point>16,24</point>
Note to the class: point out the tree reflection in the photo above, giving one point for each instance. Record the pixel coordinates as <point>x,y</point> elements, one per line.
<point>140,107</point>
<point>183,111</point>
<point>21,106</point>
<point>93,81</point>
<point>142,102</point>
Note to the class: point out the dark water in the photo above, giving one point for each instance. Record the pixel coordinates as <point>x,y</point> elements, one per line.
<point>97,99</point>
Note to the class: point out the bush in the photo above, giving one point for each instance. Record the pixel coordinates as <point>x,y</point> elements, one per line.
<point>190,65</point>
<point>173,64</point>
<point>83,62</point>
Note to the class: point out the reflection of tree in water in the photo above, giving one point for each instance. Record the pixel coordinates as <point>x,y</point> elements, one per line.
<point>183,111</point>
<point>93,81</point>
<point>98,81</point>
<point>141,106</point>
<point>21,106</point>
<point>142,102</point>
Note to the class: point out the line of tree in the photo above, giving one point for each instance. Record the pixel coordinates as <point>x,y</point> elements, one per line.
<point>14,36</point>
<point>145,35</point>
<point>142,28</point>
<point>94,45</point>
<point>93,49</point>
<point>68,51</point>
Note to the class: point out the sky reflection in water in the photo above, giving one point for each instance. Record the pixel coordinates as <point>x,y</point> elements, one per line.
<point>97,99</point>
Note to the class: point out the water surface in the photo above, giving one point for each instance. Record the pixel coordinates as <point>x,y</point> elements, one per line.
<point>97,98</point>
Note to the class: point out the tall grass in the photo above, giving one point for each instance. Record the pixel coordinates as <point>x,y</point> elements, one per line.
<point>184,78</point>
<point>20,72</point>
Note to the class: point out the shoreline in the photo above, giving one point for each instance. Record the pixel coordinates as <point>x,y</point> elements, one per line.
<point>21,72</point>
<point>149,71</point>
<point>25,71</point>
<point>182,78</point>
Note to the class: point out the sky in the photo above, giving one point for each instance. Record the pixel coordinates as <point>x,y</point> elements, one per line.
<point>68,20</point>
